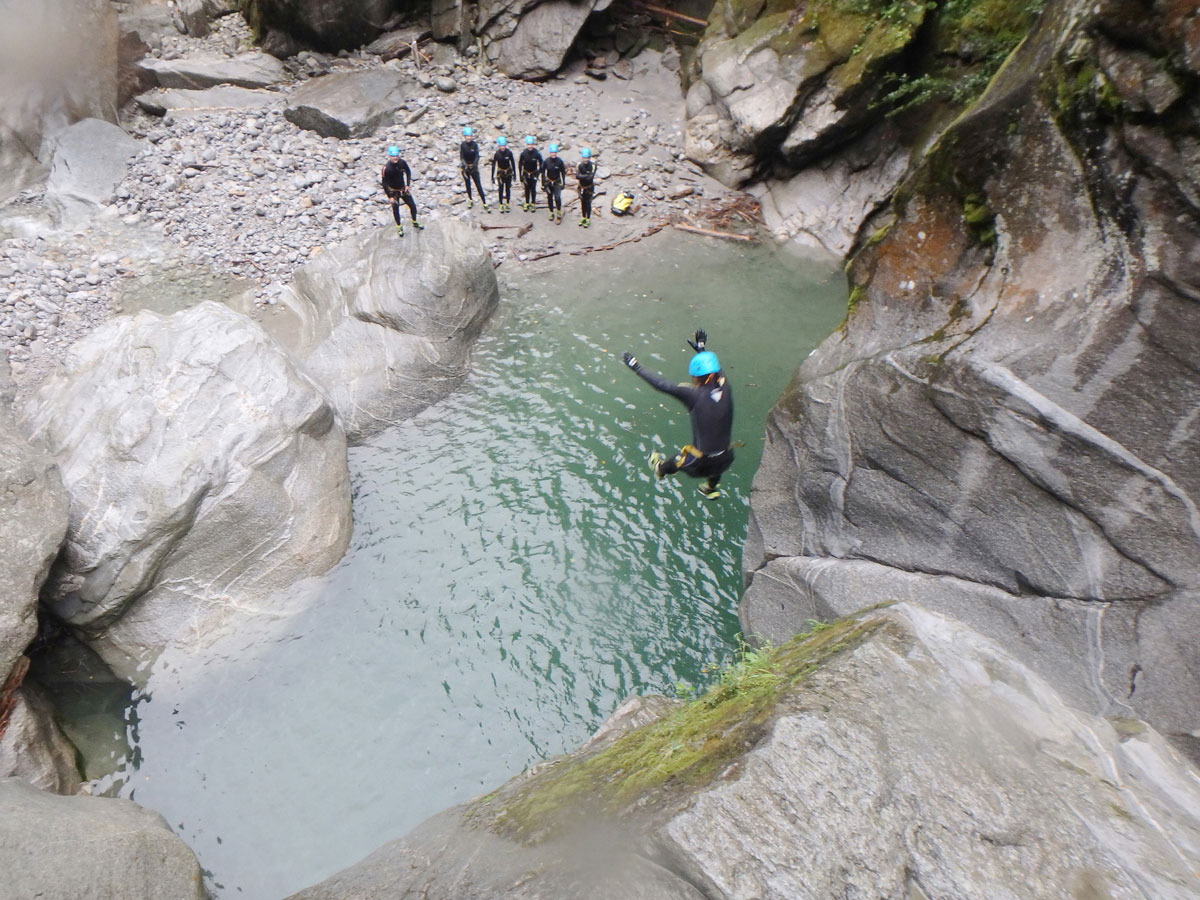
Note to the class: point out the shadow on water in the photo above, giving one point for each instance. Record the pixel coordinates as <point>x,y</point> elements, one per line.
<point>515,573</point>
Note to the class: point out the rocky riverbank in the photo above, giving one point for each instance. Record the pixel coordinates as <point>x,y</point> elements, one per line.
<point>218,198</point>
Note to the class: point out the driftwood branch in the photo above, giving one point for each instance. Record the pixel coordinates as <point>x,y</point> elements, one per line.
<point>671,14</point>
<point>708,232</point>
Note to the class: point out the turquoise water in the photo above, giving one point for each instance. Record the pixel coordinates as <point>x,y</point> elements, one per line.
<point>515,573</point>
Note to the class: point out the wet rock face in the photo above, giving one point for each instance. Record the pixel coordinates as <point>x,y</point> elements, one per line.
<point>917,759</point>
<point>204,472</point>
<point>328,25</point>
<point>1012,403</point>
<point>117,849</point>
<point>777,82</point>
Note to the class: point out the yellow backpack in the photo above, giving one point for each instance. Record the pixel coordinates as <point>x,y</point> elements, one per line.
<point>622,204</point>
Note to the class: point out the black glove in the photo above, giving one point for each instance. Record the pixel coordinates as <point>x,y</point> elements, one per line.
<point>630,360</point>
<point>698,343</point>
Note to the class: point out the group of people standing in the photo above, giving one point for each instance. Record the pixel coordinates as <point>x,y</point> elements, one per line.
<point>531,167</point>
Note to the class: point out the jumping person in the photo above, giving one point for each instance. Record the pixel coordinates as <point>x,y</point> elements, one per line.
<point>710,405</point>
<point>397,183</point>
<point>586,173</point>
<point>554,176</point>
<point>504,165</point>
<point>530,166</point>
<point>468,156</point>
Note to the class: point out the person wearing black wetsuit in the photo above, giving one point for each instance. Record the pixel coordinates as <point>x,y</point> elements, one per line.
<point>586,173</point>
<point>397,184</point>
<point>554,176</point>
<point>709,400</point>
<point>504,166</point>
<point>529,165</point>
<point>468,156</point>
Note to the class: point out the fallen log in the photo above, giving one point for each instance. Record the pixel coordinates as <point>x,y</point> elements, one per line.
<point>708,232</point>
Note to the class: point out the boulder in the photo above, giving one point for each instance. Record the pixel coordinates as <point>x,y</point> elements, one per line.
<point>160,102</point>
<point>33,747</point>
<point>248,70</point>
<point>533,41</point>
<point>64,848</point>
<point>397,44</point>
<point>349,104</point>
<point>88,161</point>
<point>328,25</point>
<point>197,15</point>
<point>898,754</point>
<point>386,325</point>
<point>33,522</point>
<point>791,84</point>
<point>205,473</point>
<point>58,64</point>
<point>1011,402</point>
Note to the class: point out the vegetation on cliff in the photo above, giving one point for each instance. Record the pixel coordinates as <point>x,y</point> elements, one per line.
<point>683,751</point>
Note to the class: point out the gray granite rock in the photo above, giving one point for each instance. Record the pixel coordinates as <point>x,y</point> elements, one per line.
<point>205,473</point>
<point>33,747</point>
<point>1009,402</point>
<point>65,848</point>
<point>826,203</point>
<point>538,40</point>
<point>790,84</point>
<point>350,104</point>
<point>909,757</point>
<point>33,520</point>
<point>386,324</point>
<point>160,102</point>
<point>88,161</point>
<point>248,70</point>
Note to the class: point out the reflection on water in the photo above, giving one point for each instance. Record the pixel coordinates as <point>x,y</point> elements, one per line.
<point>515,573</point>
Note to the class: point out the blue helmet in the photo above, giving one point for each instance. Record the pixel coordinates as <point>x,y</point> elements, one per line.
<point>529,139</point>
<point>585,153</point>
<point>468,131</point>
<point>703,363</point>
<point>502,140</point>
<point>393,151</point>
<point>553,148</point>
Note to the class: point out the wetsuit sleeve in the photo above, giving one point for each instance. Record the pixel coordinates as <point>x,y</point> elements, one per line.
<point>407,176</point>
<point>682,392</point>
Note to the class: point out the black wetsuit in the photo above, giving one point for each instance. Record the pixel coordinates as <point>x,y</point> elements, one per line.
<point>586,173</point>
<point>530,166</point>
<point>397,180</point>
<point>468,155</point>
<point>711,408</point>
<point>554,176</point>
<point>504,166</point>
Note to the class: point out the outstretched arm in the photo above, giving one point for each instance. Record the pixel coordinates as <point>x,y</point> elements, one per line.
<point>682,392</point>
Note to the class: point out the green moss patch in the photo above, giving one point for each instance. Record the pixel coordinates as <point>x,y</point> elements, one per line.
<point>683,751</point>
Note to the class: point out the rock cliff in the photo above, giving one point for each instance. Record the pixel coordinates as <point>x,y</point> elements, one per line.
<point>1006,425</point>
<point>205,472</point>
<point>895,755</point>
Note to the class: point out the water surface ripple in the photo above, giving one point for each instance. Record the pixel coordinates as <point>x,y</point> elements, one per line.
<point>515,573</point>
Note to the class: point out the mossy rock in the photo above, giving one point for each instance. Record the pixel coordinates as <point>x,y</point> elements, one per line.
<point>681,753</point>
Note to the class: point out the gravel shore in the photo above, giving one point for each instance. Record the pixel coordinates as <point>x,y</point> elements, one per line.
<point>220,201</point>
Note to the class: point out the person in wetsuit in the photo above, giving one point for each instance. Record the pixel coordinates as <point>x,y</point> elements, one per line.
<point>504,166</point>
<point>397,184</point>
<point>586,173</point>
<point>710,403</point>
<point>530,165</point>
<point>554,176</point>
<point>468,157</point>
